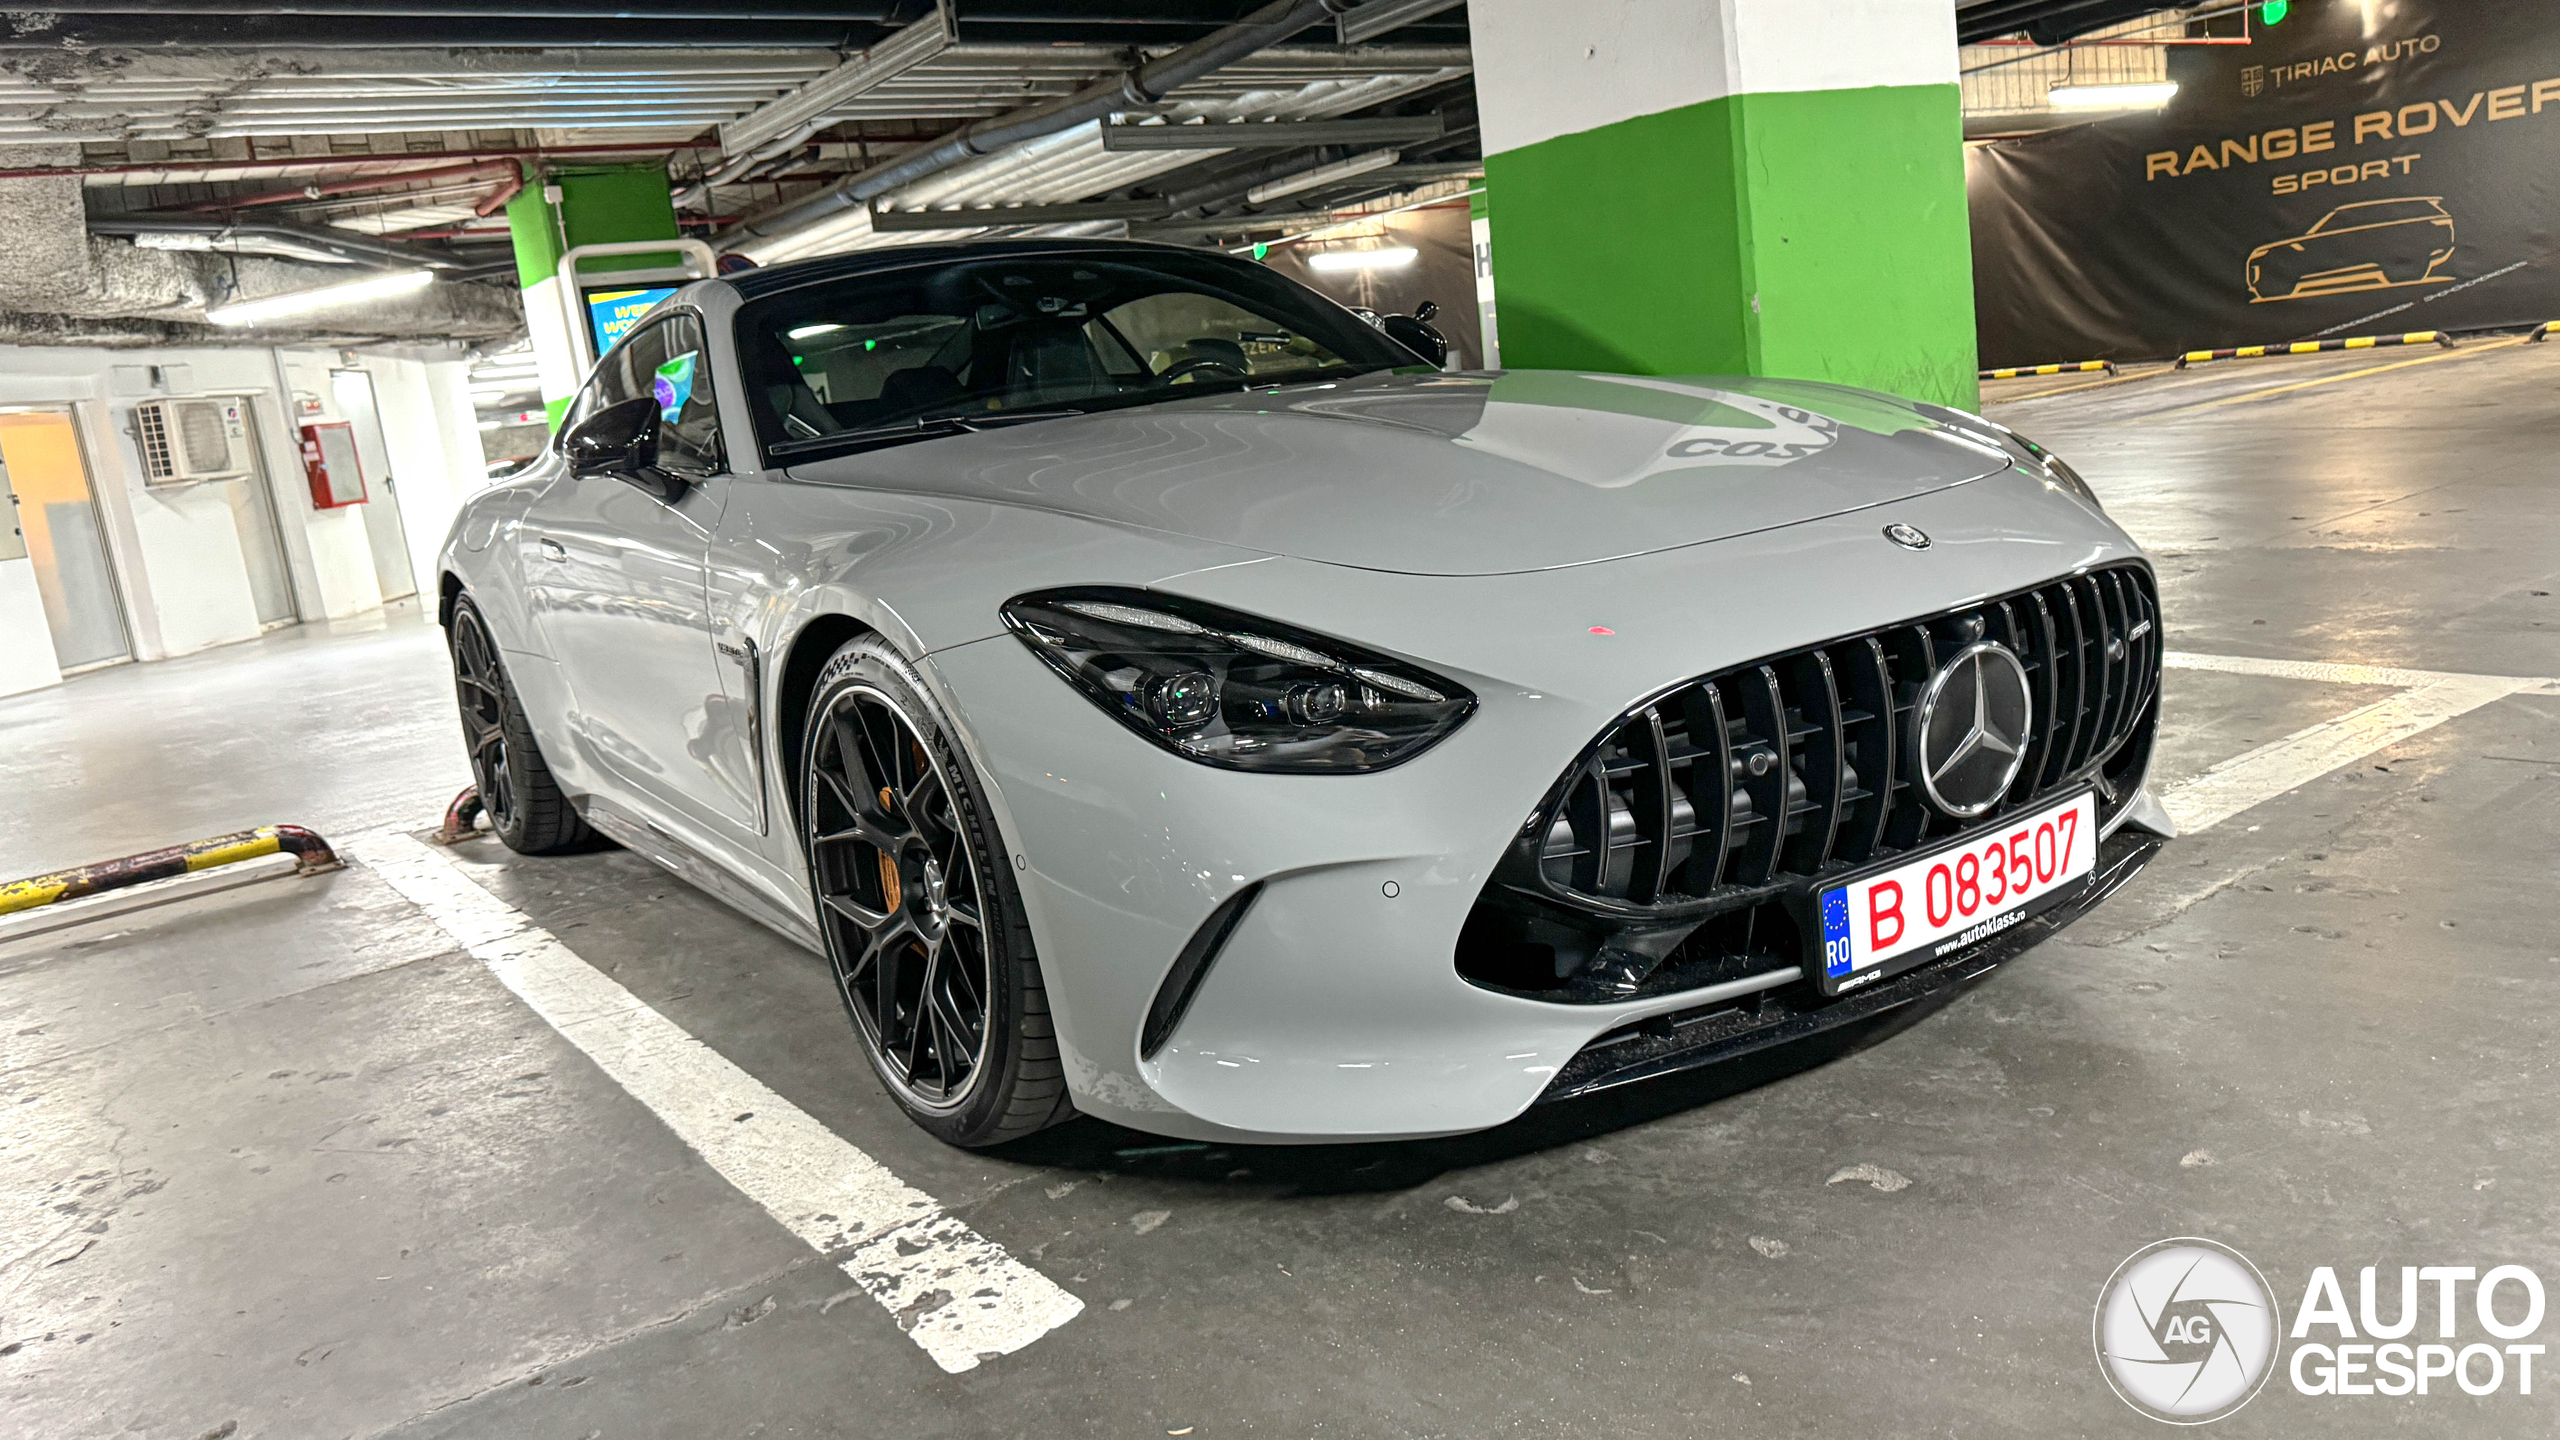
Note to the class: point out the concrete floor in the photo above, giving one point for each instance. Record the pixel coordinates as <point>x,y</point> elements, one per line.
<point>285,1162</point>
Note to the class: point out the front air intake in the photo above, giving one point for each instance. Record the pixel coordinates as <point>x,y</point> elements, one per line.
<point>1173,996</point>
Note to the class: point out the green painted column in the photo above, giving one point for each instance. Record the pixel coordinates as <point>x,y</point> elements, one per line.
<point>592,205</point>
<point>1755,187</point>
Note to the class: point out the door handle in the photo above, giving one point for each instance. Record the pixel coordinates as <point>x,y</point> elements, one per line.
<point>553,549</point>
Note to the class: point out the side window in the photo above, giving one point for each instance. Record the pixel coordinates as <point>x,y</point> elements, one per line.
<point>679,375</point>
<point>611,383</point>
<point>666,361</point>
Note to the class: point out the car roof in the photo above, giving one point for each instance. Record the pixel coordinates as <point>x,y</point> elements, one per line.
<point>770,280</point>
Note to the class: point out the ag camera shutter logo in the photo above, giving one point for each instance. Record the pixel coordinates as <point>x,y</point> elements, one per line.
<point>2186,1331</point>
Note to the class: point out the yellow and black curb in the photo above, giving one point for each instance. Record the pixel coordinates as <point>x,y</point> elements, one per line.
<point>2313,347</point>
<point>2068,367</point>
<point>37,891</point>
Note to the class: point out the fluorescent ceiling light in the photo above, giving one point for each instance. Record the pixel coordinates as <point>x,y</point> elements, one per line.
<point>1391,258</point>
<point>250,312</point>
<point>806,332</point>
<point>2111,97</point>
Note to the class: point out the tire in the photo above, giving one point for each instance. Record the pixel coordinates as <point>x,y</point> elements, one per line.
<point>524,807</point>
<point>922,919</point>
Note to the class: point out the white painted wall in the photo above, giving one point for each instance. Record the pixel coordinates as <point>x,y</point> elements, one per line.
<point>192,548</point>
<point>430,431</point>
<point>343,579</point>
<point>414,435</point>
<point>1545,69</point>
<point>26,644</point>
<point>176,551</point>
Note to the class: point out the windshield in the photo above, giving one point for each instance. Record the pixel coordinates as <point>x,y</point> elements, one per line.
<point>911,353</point>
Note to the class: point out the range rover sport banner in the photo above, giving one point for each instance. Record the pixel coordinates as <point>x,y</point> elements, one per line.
<point>2382,166</point>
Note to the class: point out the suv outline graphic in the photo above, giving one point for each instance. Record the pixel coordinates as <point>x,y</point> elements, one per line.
<point>2336,258</point>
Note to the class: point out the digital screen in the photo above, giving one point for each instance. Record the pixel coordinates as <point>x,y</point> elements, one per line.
<point>611,312</point>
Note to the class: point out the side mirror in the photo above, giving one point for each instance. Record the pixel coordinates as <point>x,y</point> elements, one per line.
<point>1412,334</point>
<point>1426,310</point>
<point>621,440</point>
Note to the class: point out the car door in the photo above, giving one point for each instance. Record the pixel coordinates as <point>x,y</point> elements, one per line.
<point>616,573</point>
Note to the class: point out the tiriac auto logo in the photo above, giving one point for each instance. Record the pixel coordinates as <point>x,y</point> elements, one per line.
<point>2186,1331</point>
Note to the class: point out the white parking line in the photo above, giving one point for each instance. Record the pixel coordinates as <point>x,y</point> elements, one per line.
<point>955,1292</point>
<point>2428,699</point>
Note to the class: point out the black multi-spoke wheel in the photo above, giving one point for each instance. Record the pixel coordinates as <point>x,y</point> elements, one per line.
<point>921,920</point>
<point>525,808</point>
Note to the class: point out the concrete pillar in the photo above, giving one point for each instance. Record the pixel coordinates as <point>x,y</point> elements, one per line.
<point>591,206</point>
<point>1760,187</point>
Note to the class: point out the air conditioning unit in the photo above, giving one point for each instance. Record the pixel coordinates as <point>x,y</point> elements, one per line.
<point>185,441</point>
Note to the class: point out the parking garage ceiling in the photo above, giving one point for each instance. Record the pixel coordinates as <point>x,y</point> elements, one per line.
<point>319,133</point>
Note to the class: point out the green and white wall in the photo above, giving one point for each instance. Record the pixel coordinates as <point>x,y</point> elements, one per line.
<point>593,205</point>
<point>1759,187</point>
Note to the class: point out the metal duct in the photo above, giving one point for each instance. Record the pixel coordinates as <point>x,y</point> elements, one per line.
<point>805,109</point>
<point>336,246</point>
<point>1073,165</point>
<point>1132,89</point>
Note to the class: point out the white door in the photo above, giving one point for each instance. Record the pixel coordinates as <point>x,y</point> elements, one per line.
<point>354,392</point>
<point>48,480</point>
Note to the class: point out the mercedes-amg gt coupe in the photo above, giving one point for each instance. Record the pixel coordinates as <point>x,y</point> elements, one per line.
<point>1163,695</point>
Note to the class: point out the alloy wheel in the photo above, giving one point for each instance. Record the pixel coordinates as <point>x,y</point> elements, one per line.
<point>482,689</point>
<point>899,894</point>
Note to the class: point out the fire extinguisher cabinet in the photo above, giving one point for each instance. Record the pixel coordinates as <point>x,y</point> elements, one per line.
<point>329,462</point>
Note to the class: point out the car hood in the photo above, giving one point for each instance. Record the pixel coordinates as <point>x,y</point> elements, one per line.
<point>1469,474</point>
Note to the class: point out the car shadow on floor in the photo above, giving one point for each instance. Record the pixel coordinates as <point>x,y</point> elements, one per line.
<point>1367,1167</point>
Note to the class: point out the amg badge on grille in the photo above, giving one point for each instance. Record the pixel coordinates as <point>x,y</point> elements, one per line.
<point>1974,720</point>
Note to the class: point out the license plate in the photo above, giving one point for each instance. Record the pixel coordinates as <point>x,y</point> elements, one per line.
<point>1948,899</point>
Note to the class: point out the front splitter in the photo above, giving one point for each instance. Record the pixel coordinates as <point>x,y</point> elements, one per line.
<point>1675,1042</point>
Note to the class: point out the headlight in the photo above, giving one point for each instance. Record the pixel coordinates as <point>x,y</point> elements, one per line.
<point>1231,690</point>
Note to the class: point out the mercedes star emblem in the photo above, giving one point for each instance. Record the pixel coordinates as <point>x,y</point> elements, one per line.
<point>1975,717</point>
<point>1909,537</point>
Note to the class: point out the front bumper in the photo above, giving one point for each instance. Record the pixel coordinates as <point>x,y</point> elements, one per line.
<point>1335,1009</point>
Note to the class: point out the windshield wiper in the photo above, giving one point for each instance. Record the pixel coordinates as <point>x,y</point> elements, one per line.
<point>870,436</point>
<point>922,427</point>
<point>996,418</point>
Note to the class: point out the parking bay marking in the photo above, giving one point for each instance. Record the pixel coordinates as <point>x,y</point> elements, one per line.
<point>2427,698</point>
<point>906,1248</point>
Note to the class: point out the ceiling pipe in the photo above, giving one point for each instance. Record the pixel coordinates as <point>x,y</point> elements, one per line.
<point>192,165</point>
<point>354,186</point>
<point>344,246</point>
<point>506,190</point>
<point>1137,88</point>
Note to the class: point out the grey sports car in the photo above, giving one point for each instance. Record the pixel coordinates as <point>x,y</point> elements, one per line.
<point>1161,694</point>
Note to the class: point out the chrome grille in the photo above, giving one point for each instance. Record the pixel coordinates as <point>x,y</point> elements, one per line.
<point>1747,786</point>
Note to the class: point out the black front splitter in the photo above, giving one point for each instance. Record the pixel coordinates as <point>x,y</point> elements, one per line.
<point>1674,1043</point>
